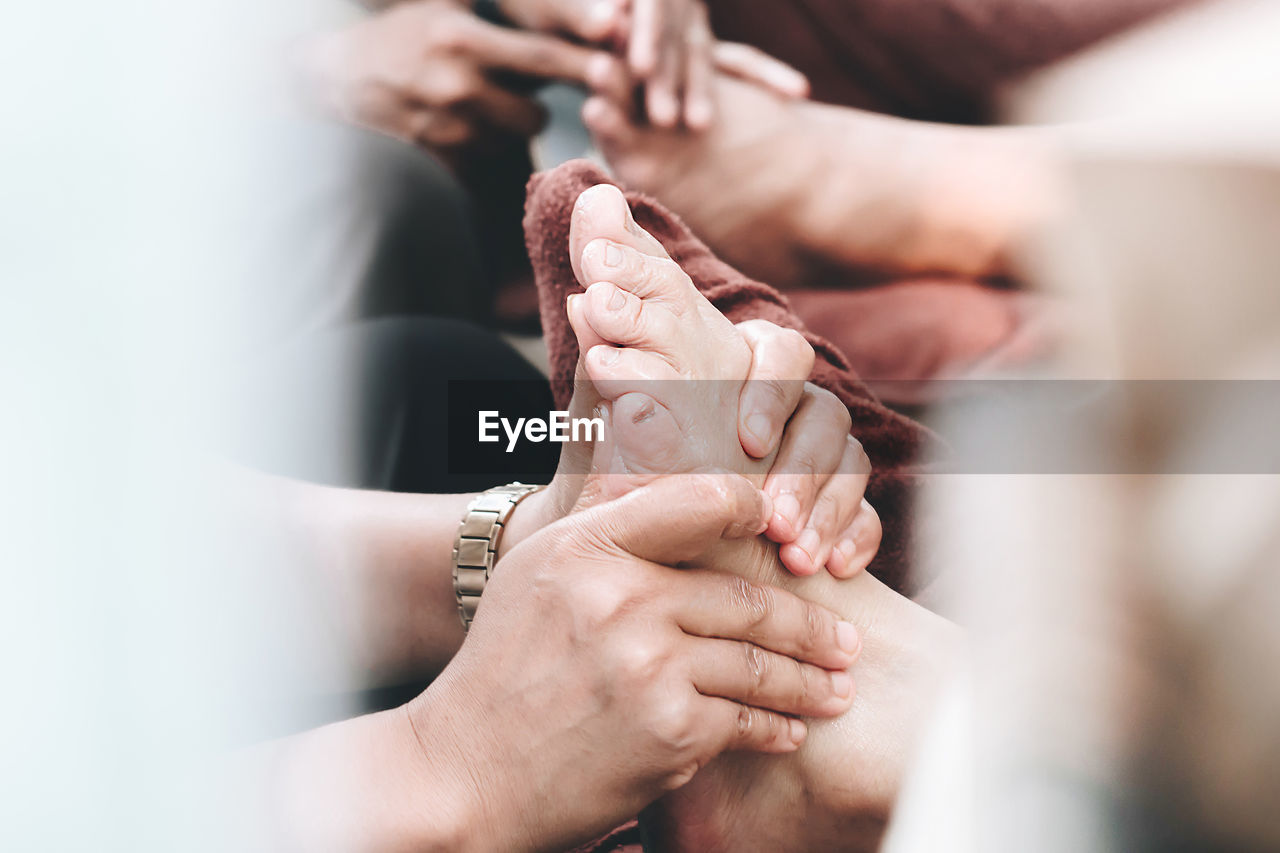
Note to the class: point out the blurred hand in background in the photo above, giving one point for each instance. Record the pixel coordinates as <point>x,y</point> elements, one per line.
<point>433,73</point>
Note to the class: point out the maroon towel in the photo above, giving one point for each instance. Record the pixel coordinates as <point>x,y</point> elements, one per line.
<point>893,442</point>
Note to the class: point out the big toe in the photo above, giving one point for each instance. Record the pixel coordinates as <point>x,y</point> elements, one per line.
<point>602,212</point>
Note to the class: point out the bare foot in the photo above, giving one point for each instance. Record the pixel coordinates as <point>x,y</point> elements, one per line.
<point>791,192</point>
<point>642,320</point>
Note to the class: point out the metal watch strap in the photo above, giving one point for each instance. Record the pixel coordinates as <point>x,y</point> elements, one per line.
<point>476,547</point>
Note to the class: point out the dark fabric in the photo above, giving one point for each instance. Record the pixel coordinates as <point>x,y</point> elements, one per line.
<point>893,442</point>
<point>937,61</point>
<point>366,406</point>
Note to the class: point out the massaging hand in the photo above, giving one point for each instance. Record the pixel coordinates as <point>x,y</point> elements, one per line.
<point>669,46</point>
<point>425,71</point>
<point>818,479</point>
<point>595,678</point>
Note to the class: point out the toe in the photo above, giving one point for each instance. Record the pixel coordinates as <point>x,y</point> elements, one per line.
<point>624,319</point>
<point>602,211</point>
<point>648,277</point>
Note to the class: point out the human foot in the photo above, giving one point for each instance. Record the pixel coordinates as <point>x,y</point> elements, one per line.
<point>792,191</point>
<point>837,791</point>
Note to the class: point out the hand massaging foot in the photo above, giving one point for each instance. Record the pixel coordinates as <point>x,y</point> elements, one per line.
<point>641,319</point>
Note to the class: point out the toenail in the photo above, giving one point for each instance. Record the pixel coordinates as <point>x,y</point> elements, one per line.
<point>842,684</point>
<point>847,549</point>
<point>788,508</point>
<point>612,256</point>
<point>617,299</point>
<point>809,542</point>
<point>847,637</point>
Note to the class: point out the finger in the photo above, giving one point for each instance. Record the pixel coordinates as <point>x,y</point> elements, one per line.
<point>599,22</point>
<point>699,100</point>
<point>744,728</point>
<point>662,92</point>
<point>756,66</point>
<point>676,518</point>
<point>717,605</point>
<point>609,78</point>
<point>753,676</point>
<point>859,544</point>
<point>533,54</point>
<point>812,448</point>
<point>440,129</point>
<point>642,51</point>
<point>838,501</point>
<point>507,111</point>
<point>781,359</point>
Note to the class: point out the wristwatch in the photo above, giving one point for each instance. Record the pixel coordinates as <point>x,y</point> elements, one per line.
<point>476,547</point>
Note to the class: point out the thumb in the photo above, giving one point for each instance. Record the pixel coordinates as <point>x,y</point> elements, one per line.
<point>676,518</point>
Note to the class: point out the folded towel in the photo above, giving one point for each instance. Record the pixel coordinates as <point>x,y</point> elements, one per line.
<point>893,442</point>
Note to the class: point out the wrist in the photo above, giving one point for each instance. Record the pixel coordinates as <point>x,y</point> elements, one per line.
<point>450,752</point>
<point>529,516</point>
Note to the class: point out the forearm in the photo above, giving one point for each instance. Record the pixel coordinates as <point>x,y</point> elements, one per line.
<point>383,564</point>
<point>365,784</point>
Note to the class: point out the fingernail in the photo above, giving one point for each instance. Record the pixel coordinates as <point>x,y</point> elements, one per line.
<point>617,299</point>
<point>761,428</point>
<point>798,731</point>
<point>842,684</point>
<point>847,549</point>
<point>846,637</point>
<point>568,303</point>
<point>608,356</point>
<point>612,256</point>
<point>788,508</point>
<point>809,542</point>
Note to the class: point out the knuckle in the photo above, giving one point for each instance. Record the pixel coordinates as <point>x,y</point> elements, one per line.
<point>672,724</point>
<point>681,776</point>
<point>757,669</point>
<point>829,407</point>
<point>815,627</point>
<point>600,602</point>
<point>794,342</point>
<point>712,492</point>
<point>639,663</point>
<point>453,34</point>
<point>747,724</point>
<point>451,88</point>
<point>774,390</point>
<point>756,603</point>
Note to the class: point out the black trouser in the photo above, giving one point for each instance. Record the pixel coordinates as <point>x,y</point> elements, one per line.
<point>368,405</point>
